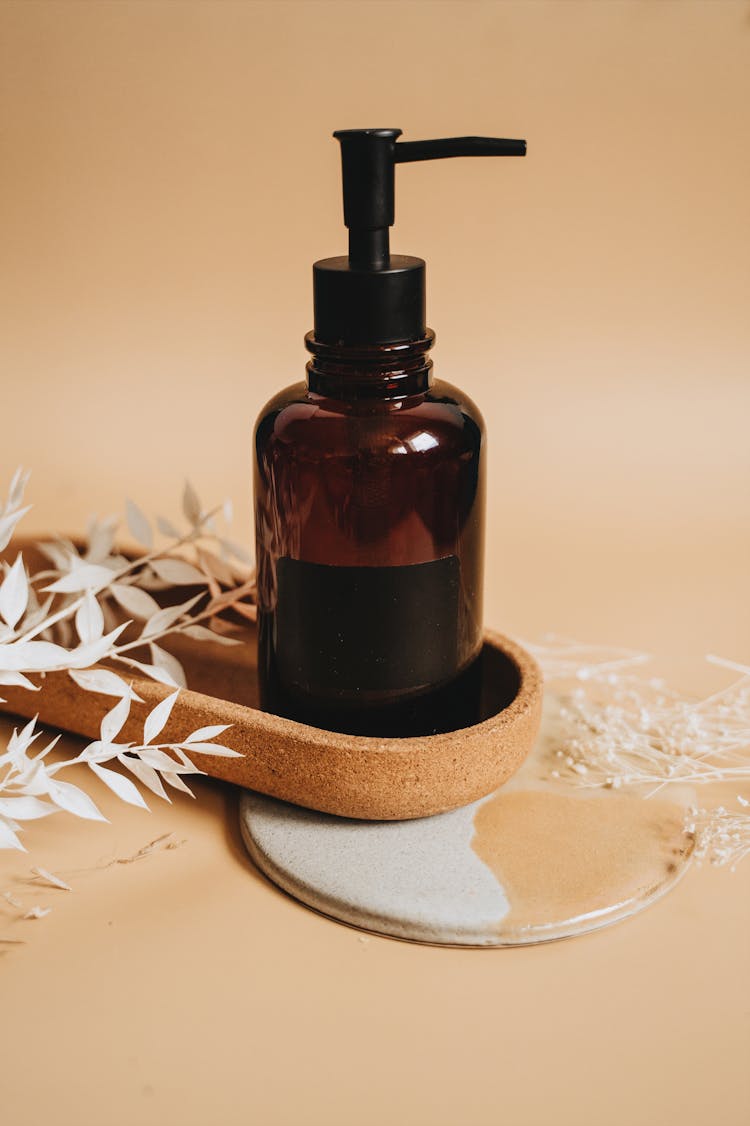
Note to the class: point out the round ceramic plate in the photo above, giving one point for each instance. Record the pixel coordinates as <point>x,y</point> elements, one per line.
<point>533,862</point>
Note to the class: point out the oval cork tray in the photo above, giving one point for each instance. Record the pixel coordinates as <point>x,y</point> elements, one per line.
<point>349,775</point>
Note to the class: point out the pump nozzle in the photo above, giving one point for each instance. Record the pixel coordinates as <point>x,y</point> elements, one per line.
<point>368,160</point>
<point>372,297</point>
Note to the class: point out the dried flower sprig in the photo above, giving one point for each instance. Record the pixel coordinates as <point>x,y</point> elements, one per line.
<point>564,659</point>
<point>722,836</point>
<point>68,618</point>
<point>622,729</point>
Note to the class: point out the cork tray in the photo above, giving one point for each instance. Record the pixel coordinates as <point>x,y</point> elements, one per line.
<point>349,775</point>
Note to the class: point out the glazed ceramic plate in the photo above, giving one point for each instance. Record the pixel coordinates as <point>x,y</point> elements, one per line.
<point>533,862</point>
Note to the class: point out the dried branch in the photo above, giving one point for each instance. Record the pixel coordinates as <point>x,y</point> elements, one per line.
<point>65,618</point>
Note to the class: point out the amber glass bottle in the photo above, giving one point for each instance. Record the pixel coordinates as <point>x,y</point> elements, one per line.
<point>369,491</point>
<point>369,485</point>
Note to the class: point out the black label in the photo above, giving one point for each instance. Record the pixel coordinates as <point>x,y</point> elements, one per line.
<point>345,630</point>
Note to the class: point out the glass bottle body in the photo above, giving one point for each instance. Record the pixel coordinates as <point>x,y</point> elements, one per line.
<point>369,509</point>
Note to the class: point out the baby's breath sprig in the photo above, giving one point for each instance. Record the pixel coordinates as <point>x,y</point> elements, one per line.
<point>722,835</point>
<point>616,728</point>
<point>613,728</point>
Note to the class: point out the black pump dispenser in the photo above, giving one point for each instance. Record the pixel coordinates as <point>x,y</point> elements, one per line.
<point>373,296</point>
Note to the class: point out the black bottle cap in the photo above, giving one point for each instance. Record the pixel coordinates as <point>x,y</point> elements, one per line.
<point>372,296</point>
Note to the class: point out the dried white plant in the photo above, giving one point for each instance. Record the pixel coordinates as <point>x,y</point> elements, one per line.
<point>563,659</point>
<point>618,728</point>
<point>615,728</point>
<point>67,617</point>
<point>722,835</point>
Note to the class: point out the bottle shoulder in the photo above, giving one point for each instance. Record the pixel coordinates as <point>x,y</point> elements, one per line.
<point>454,399</point>
<point>294,393</point>
<point>295,412</point>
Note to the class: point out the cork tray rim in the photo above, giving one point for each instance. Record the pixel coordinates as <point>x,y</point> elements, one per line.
<point>529,691</point>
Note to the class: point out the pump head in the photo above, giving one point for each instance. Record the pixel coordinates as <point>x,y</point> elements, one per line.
<point>371,296</point>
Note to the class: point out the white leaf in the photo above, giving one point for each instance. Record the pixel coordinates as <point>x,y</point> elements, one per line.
<point>207,733</point>
<point>50,746</point>
<point>17,680</point>
<point>8,838</point>
<point>110,616</point>
<point>86,655</point>
<point>35,780</point>
<point>99,752</point>
<point>101,537</point>
<point>200,633</point>
<point>35,614</point>
<point>215,749</point>
<point>89,619</point>
<point>156,720</point>
<point>145,774</point>
<point>176,781</point>
<point>25,808</point>
<point>167,528</point>
<point>237,551</point>
<point>33,603</point>
<point>134,600</point>
<point>17,488</point>
<point>216,567</point>
<point>163,619</point>
<point>7,524</point>
<point>87,576</point>
<point>191,505</point>
<point>70,798</point>
<point>37,912</point>
<point>44,656</point>
<point>14,593</point>
<point>169,663</point>
<point>152,671</point>
<point>58,555</point>
<point>52,879</point>
<point>138,524</point>
<point>123,787</point>
<point>147,580</point>
<point>32,656</point>
<point>177,572</point>
<point>161,761</point>
<point>25,737</point>
<point>104,681</point>
<point>114,721</point>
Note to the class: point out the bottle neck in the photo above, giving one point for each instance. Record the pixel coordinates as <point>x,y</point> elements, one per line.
<point>376,371</point>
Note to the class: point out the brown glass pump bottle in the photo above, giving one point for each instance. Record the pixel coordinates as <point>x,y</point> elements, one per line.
<point>369,489</point>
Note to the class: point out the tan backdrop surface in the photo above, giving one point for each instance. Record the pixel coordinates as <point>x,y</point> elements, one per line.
<point>168,179</point>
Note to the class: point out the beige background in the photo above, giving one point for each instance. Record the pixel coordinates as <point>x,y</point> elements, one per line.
<point>168,179</point>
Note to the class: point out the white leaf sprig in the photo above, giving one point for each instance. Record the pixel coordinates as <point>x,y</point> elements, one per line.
<point>78,628</point>
<point>31,789</point>
<point>12,511</point>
